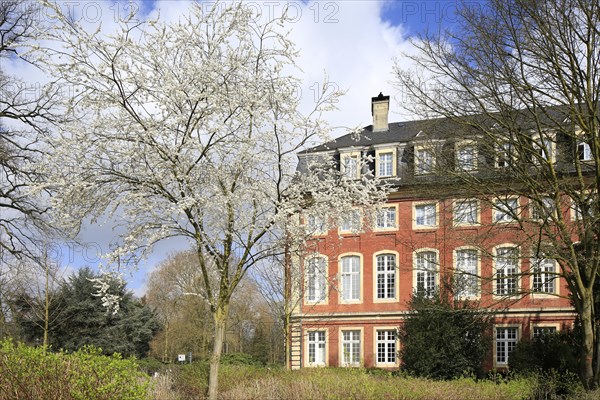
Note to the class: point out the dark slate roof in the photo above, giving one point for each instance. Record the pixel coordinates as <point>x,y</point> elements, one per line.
<point>407,131</point>
<point>398,132</point>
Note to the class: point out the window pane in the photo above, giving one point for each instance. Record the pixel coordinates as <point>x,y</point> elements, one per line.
<point>466,279</point>
<point>351,278</point>
<point>506,341</point>
<point>465,212</point>
<point>543,275</point>
<point>386,276</point>
<point>386,346</point>
<point>386,164</point>
<point>426,266</point>
<point>507,262</point>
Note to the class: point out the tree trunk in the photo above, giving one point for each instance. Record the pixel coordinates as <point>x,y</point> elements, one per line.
<point>220,317</point>
<point>587,325</point>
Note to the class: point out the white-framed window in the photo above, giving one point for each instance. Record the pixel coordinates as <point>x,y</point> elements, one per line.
<point>504,155</point>
<point>539,331</point>
<point>351,346</point>
<point>385,162</point>
<point>315,224</point>
<point>317,348</point>
<point>425,215</point>
<point>351,221</point>
<point>506,210</point>
<point>316,279</point>
<point>350,163</point>
<point>386,276</point>
<point>544,147</point>
<point>543,208</point>
<point>466,212</point>
<point>466,157</point>
<point>506,274</point>
<point>386,346</point>
<point>386,218</point>
<point>350,278</point>
<point>584,151</point>
<point>466,275</point>
<point>425,272</point>
<point>506,341</point>
<point>544,275</point>
<point>424,160</point>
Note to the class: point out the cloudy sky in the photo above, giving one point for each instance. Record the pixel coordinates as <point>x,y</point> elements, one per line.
<point>353,42</point>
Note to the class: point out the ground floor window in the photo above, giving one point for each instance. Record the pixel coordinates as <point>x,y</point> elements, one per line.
<point>386,346</point>
<point>506,341</point>
<point>351,348</point>
<point>539,331</point>
<point>316,348</point>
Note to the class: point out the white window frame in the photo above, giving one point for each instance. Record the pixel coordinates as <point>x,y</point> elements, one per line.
<point>424,221</point>
<point>507,341</point>
<point>507,277</point>
<point>317,343</point>
<point>502,214</point>
<point>423,273</point>
<point>505,154</point>
<point>424,159</point>
<point>315,224</point>
<point>383,222</point>
<point>467,167</point>
<point>392,162</point>
<point>584,151</point>
<point>350,279</point>
<point>388,345</point>
<point>460,221</point>
<point>351,222</point>
<point>540,146</point>
<point>543,326</point>
<point>320,280</point>
<point>356,156</point>
<point>473,273</point>
<point>386,276</point>
<point>542,214</point>
<point>544,277</point>
<point>356,353</point>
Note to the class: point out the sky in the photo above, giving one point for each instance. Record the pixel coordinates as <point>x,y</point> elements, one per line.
<point>352,42</point>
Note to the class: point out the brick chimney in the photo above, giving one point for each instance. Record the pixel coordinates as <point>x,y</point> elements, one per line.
<point>380,107</point>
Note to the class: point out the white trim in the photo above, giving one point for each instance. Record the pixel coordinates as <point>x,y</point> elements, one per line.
<point>360,278</point>
<point>396,280</point>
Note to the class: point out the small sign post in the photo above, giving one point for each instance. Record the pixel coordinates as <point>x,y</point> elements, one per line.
<point>181,358</point>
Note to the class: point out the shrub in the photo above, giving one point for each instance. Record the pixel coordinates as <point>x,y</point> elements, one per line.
<point>34,373</point>
<point>443,338</point>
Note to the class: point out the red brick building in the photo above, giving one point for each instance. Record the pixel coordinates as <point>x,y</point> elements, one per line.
<point>429,235</point>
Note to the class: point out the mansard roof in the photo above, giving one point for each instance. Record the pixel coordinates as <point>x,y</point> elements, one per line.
<point>441,128</point>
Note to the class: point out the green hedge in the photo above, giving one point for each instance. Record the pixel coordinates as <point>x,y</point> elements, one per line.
<point>33,373</point>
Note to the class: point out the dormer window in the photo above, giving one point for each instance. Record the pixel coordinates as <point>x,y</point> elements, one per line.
<point>350,163</point>
<point>504,155</point>
<point>424,160</point>
<point>544,147</point>
<point>466,157</point>
<point>385,163</point>
<point>584,151</point>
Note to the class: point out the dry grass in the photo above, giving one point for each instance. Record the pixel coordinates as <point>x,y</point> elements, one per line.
<point>249,383</point>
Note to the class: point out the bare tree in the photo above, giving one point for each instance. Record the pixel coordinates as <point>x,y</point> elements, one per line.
<point>25,108</point>
<point>522,78</point>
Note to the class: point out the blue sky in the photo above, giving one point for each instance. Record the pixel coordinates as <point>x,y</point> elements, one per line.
<point>354,43</point>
